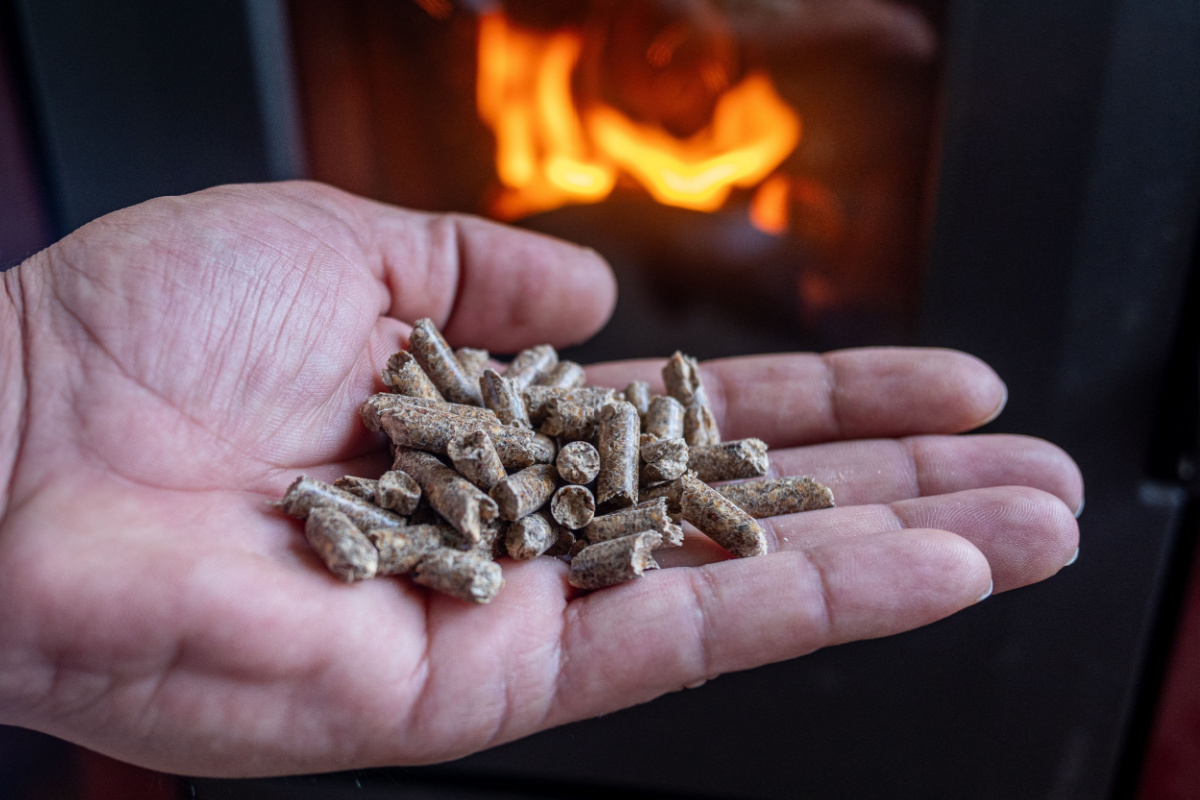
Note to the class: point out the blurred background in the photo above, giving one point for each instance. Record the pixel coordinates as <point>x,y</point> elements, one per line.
<point>763,175</point>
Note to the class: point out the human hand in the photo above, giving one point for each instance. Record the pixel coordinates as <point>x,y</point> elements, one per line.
<point>177,364</point>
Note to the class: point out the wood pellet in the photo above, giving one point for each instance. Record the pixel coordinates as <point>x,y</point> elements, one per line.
<point>527,462</point>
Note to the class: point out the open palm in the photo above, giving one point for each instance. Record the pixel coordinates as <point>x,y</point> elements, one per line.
<point>182,361</point>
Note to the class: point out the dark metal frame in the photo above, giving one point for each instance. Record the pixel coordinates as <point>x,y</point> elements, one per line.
<point>1062,236</point>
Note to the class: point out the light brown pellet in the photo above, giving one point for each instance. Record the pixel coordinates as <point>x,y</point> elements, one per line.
<point>617,434</point>
<point>473,361</point>
<point>398,492</point>
<point>700,426</point>
<point>438,360</point>
<point>664,418</point>
<point>578,462</point>
<point>307,494</point>
<point>564,375</point>
<point>531,536</point>
<point>524,492</point>
<point>530,365</point>
<point>520,447</point>
<point>475,457</point>
<point>776,496</point>
<point>345,549</point>
<point>649,516</point>
<point>740,458</point>
<point>366,488</point>
<point>424,428</point>
<point>504,398</point>
<point>569,421</point>
<point>538,397</point>
<point>720,520</point>
<point>573,507</point>
<point>465,576</point>
<point>375,405</point>
<point>401,549</point>
<point>403,375</point>
<point>681,374</point>
<point>615,561</point>
<point>637,393</point>
<point>665,460</point>
<point>459,502</point>
<point>672,492</point>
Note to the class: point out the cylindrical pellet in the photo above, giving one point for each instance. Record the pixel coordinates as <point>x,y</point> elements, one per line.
<point>473,361</point>
<point>475,457</point>
<point>306,494</point>
<point>373,408</point>
<point>454,497</point>
<point>365,488</point>
<point>345,549</point>
<point>563,545</point>
<point>637,393</point>
<point>537,398</point>
<point>403,375</point>
<point>740,458</point>
<point>617,435</point>
<point>569,421</point>
<point>578,462</point>
<point>564,375</point>
<point>672,492</point>
<point>649,516</point>
<point>664,418</point>
<point>424,428</point>
<point>398,492</point>
<point>520,447</point>
<point>700,426</point>
<point>438,360</point>
<point>615,561</point>
<point>531,536</point>
<point>524,492</point>
<point>573,507</point>
<point>776,496</point>
<point>665,460</point>
<point>530,365</point>
<point>401,549</point>
<point>504,398</point>
<point>465,576</point>
<point>720,520</point>
<point>681,374</point>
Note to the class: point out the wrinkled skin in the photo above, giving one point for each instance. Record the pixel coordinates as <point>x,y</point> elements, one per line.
<point>170,368</point>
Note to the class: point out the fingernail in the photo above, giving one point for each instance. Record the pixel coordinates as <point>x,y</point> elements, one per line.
<point>988,593</point>
<point>999,408</point>
<point>1079,511</point>
<point>1074,558</point>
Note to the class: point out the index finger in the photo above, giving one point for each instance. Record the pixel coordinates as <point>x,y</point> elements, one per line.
<point>802,398</point>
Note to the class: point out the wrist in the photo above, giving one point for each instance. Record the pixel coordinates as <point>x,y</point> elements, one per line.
<point>14,389</point>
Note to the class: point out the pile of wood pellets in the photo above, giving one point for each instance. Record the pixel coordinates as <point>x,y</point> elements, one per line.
<point>531,462</point>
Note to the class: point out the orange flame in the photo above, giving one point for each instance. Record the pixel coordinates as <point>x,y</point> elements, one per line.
<point>550,153</point>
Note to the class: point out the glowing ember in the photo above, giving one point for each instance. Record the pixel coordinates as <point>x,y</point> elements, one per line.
<point>549,152</point>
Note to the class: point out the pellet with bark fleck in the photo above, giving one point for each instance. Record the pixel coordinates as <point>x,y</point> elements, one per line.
<point>573,507</point>
<point>366,488</point>
<point>569,420</point>
<point>615,561</point>
<point>398,492</point>
<point>564,375</point>
<point>531,536</point>
<point>345,549</point>
<point>665,460</point>
<point>740,458</point>
<point>776,496</point>
<point>473,361</point>
<point>524,492</point>
<point>373,408</point>
<point>504,398</point>
<point>664,418</point>
<point>530,365</point>
<point>578,462</point>
<point>307,494</point>
<point>649,516</point>
<point>617,435</point>
<point>637,393</point>
<point>520,447</point>
<point>403,375</point>
<point>537,398</point>
<point>438,360</point>
<point>427,429</point>
<point>721,520</point>
<point>474,456</point>
<point>458,500</point>
<point>700,426</point>
<point>401,549</point>
<point>681,374</point>
<point>465,576</point>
